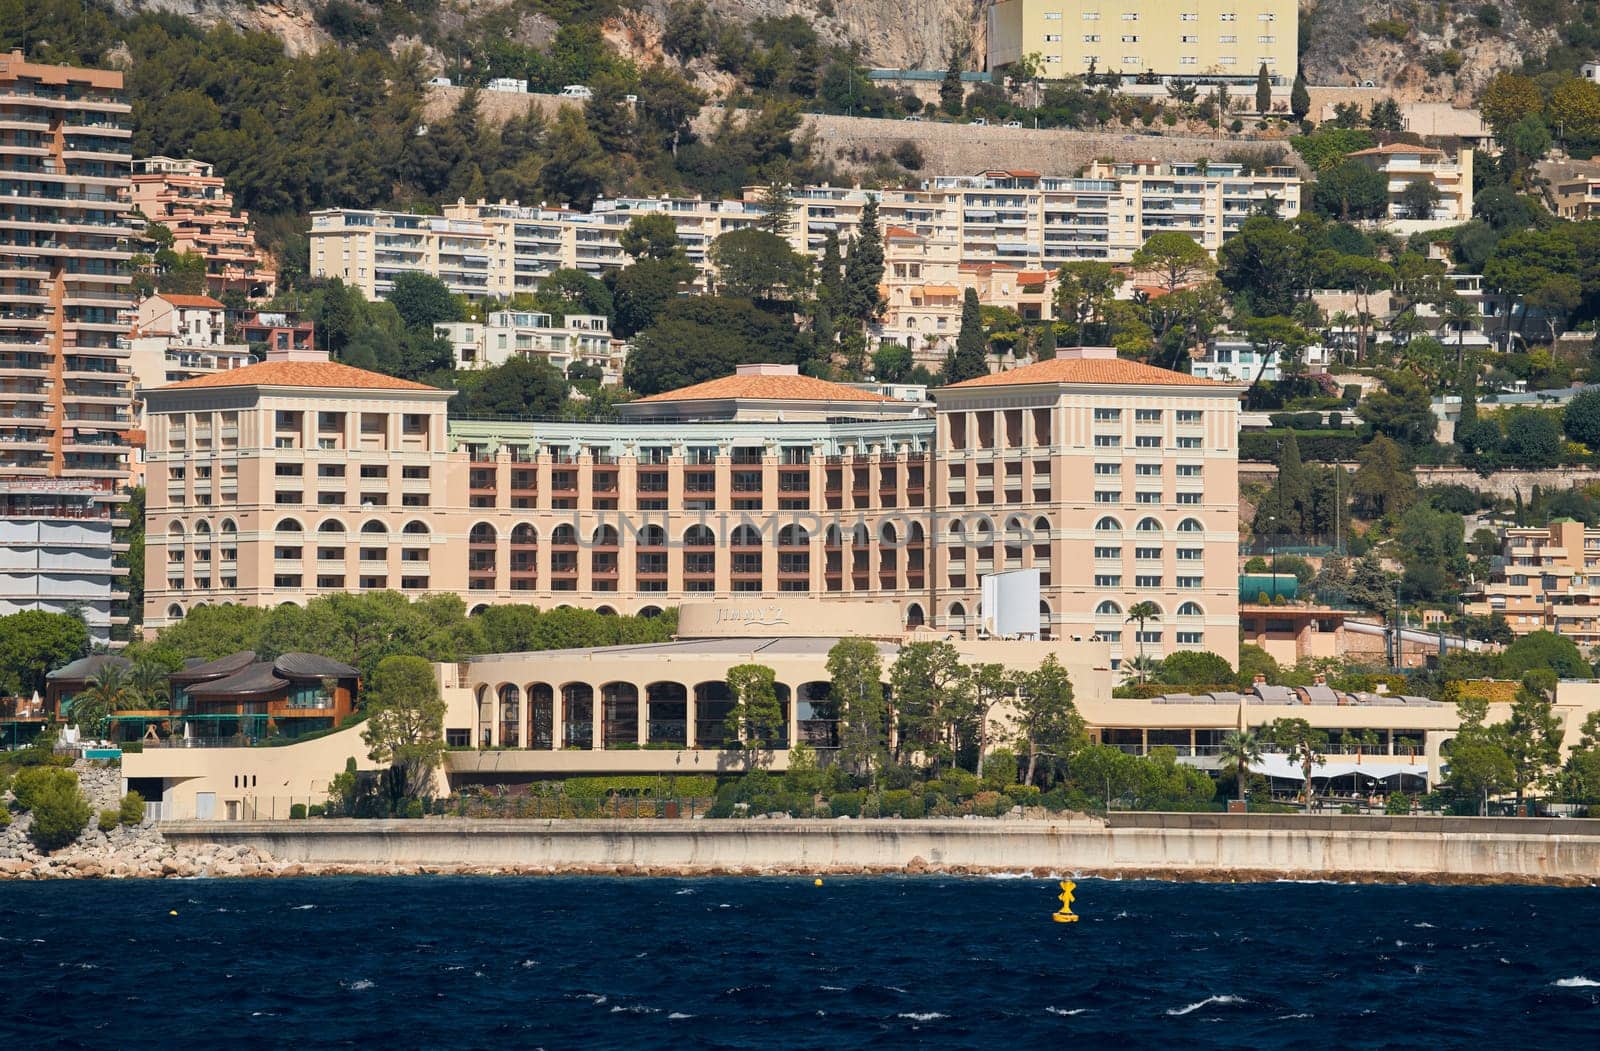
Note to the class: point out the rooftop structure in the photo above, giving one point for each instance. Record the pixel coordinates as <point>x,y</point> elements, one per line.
<point>64,379</point>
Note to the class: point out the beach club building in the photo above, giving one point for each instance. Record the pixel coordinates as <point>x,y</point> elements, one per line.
<point>1116,481</point>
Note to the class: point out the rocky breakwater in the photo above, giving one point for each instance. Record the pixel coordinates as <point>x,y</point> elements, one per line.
<point>126,851</point>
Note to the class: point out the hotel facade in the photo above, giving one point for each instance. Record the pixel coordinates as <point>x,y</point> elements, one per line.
<point>1116,481</point>
<point>64,377</point>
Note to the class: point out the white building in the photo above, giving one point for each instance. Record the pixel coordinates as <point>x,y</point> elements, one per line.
<point>579,338</point>
<point>1239,361</point>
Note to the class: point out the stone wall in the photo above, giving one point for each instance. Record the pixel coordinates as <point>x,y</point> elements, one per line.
<point>1214,848</point>
<point>1504,484</point>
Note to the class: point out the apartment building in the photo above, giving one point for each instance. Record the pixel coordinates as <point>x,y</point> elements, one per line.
<point>1192,39</point>
<point>177,337</point>
<point>64,380</point>
<point>1403,164</point>
<point>580,339</point>
<point>1021,219</point>
<point>190,200</point>
<point>1546,580</point>
<point>1116,480</point>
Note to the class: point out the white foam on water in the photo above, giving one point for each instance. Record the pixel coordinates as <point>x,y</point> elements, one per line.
<point>686,890</point>
<point>1191,1008</point>
<point>921,1016</point>
<point>635,1009</point>
<point>894,988</point>
<point>831,988</point>
<point>301,908</point>
<point>594,998</point>
<point>678,1016</point>
<point>1576,982</point>
<point>1423,926</point>
<point>1398,944</point>
<point>1064,1013</point>
<point>360,985</point>
<point>529,963</point>
<point>1008,875</point>
<point>1303,1014</point>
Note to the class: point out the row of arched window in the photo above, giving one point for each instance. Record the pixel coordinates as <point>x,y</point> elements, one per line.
<point>1148,524</point>
<point>1111,609</point>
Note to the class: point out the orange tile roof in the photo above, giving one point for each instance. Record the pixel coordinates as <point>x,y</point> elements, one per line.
<point>1395,147</point>
<point>767,388</point>
<point>900,233</point>
<point>1089,371</point>
<point>330,374</point>
<point>190,301</point>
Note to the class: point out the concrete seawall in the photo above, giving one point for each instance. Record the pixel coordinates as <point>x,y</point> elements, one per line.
<point>1176,846</point>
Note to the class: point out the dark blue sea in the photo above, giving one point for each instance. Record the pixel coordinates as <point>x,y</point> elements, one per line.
<point>779,963</point>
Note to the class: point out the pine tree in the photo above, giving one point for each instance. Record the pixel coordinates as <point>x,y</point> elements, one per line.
<point>1299,98</point>
<point>951,93</point>
<point>777,204</point>
<point>863,268</point>
<point>1293,489</point>
<point>1263,90</point>
<point>1047,341</point>
<point>970,358</point>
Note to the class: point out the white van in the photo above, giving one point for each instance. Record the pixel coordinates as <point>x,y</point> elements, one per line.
<point>576,91</point>
<point>439,82</point>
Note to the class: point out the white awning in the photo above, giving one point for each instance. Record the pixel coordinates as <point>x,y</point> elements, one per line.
<point>1380,768</point>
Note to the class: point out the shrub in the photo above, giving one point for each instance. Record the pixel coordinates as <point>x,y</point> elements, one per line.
<point>908,155</point>
<point>414,809</point>
<point>956,783</point>
<point>1025,795</point>
<point>109,819</point>
<point>132,809</point>
<point>845,804</point>
<point>1489,16</point>
<point>1398,805</point>
<point>316,810</point>
<point>1237,126</point>
<point>297,812</point>
<point>1389,29</point>
<point>59,809</point>
<point>1000,769</point>
<point>5,817</point>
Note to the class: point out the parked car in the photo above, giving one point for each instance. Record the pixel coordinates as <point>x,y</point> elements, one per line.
<point>980,122</point>
<point>913,118</point>
<point>439,82</point>
<point>1013,123</point>
<point>576,91</point>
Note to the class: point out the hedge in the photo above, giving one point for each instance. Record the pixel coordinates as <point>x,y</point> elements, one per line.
<point>1315,446</point>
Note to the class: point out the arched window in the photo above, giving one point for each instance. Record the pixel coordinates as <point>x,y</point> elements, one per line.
<point>915,535</point>
<point>699,536</point>
<point>332,525</point>
<point>1108,525</point>
<point>1108,609</point>
<point>888,535</point>
<point>958,532</point>
<point>524,535</point>
<point>1191,525</point>
<point>290,525</point>
<point>793,536</point>
<point>228,527</point>
<point>649,611</point>
<point>564,536</point>
<point>605,536</point>
<point>1041,526</point>
<point>174,612</point>
<point>1190,609</point>
<point>958,612</point>
<point>746,536</point>
<point>652,536</point>
<point>482,533</point>
<point>416,528</point>
<point>202,528</point>
<point>914,616</point>
<point>984,532</point>
<point>375,528</point>
<point>1016,526</point>
<point>175,531</point>
<point>1148,525</point>
<point>833,537</point>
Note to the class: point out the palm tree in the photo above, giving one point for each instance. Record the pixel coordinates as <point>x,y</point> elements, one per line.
<point>1141,612</point>
<point>1461,314</point>
<point>1240,750</point>
<point>149,684</point>
<point>1342,322</point>
<point>1139,668</point>
<point>107,692</point>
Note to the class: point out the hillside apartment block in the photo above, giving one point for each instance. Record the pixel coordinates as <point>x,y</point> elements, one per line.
<point>1547,579</point>
<point>1206,40</point>
<point>1117,481</point>
<point>190,200</point>
<point>64,377</point>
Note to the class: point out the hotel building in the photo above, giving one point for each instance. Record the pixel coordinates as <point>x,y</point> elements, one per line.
<point>1116,481</point>
<point>1192,39</point>
<point>580,339</point>
<point>64,379</point>
<point>1546,580</point>
<point>1403,164</point>
<point>190,200</point>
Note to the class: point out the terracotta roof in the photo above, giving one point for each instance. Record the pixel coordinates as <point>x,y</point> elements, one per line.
<point>900,233</point>
<point>205,302</point>
<point>1089,371</point>
<point>767,388</point>
<point>300,374</point>
<point>1395,147</point>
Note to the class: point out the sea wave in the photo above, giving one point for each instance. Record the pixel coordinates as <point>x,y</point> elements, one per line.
<point>1576,982</point>
<point>921,1016</point>
<point>1065,1012</point>
<point>1191,1008</point>
<point>361,985</point>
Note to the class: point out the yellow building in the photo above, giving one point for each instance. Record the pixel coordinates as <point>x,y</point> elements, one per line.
<point>1192,39</point>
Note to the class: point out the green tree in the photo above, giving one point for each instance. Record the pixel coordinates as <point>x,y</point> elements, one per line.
<point>652,235</point>
<point>1085,292</point>
<point>1544,650</point>
<point>109,691</point>
<point>423,300</point>
<point>992,686</point>
<point>698,338</point>
<point>1047,722</point>
<point>969,359</point>
<point>756,718</point>
<point>1140,613</point>
<point>1241,749</point>
<point>1533,439</point>
<point>929,686</point>
<point>1266,265</point>
<point>1383,483</point>
<point>522,387</point>
<point>57,804</point>
<point>1581,777</point>
<point>1263,90</point>
<point>754,264</point>
<point>642,291</point>
<point>1176,258</point>
<point>1299,97</point>
<point>1195,668</point>
<point>1580,421</point>
<point>405,723</point>
<point>1304,745</point>
<point>1419,198</point>
<point>1575,110</point>
<point>892,363</point>
<point>1532,734</point>
<point>668,104</point>
<point>576,167</point>
<point>951,94</point>
<point>1508,99</point>
<point>776,203</point>
<point>863,267</point>
<point>1351,190</point>
<point>855,674</point>
<point>34,643</point>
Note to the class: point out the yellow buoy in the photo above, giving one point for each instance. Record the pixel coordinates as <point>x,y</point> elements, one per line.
<point>174,912</point>
<point>816,882</point>
<point>1064,914</point>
